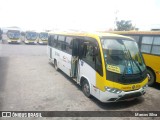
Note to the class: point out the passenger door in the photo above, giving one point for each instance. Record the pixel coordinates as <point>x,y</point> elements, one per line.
<point>87,62</point>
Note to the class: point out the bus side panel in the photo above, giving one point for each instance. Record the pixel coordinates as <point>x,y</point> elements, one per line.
<point>49,52</point>
<point>66,60</point>
<point>89,73</point>
<point>58,56</point>
<point>55,56</point>
<point>154,63</point>
<point>63,60</point>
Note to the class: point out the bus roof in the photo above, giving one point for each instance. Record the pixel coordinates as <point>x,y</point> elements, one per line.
<point>13,31</point>
<point>136,32</point>
<point>86,34</point>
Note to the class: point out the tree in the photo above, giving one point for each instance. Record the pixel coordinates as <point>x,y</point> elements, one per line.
<point>124,25</point>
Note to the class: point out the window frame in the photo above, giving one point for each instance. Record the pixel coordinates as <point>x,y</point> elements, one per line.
<point>152,45</point>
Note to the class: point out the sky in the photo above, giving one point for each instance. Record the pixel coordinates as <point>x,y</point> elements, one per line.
<point>78,14</point>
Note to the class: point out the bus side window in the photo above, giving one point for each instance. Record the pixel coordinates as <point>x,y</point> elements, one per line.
<point>52,40</point>
<point>84,52</point>
<point>55,40</point>
<point>58,45</point>
<point>146,44</point>
<point>156,46</point>
<point>88,54</point>
<point>62,42</point>
<point>68,44</point>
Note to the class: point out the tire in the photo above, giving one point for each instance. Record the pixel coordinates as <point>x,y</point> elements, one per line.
<point>55,65</point>
<point>86,88</point>
<point>151,79</point>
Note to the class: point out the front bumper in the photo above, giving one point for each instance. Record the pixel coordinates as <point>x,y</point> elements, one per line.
<point>43,42</point>
<point>31,42</point>
<point>13,41</point>
<point>113,97</point>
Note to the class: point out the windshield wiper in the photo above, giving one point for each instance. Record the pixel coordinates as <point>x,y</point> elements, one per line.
<point>134,61</point>
<point>126,64</point>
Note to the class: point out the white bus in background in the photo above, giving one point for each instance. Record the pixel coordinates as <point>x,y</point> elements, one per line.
<point>43,38</point>
<point>31,37</point>
<point>12,36</point>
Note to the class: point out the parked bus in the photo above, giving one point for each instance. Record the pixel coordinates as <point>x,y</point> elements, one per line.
<point>31,37</point>
<point>13,36</point>
<point>43,38</point>
<point>149,44</point>
<point>106,66</point>
<point>1,34</point>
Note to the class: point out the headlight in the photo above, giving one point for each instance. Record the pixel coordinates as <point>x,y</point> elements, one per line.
<point>113,90</point>
<point>145,86</point>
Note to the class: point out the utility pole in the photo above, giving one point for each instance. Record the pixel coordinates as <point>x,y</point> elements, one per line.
<point>116,19</point>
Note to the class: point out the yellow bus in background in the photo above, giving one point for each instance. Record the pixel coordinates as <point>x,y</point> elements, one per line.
<point>149,44</point>
<point>104,65</point>
<point>13,36</point>
<point>31,37</point>
<point>43,38</point>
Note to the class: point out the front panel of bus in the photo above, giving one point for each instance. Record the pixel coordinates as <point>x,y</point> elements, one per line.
<point>13,36</point>
<point>125,75</point>
<point>149,43</point>
<point>43,38</point>
<point>31,37</point>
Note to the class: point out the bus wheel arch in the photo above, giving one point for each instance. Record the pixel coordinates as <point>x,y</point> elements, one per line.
<point>85,87</point>
<point>152,76</point>
<point>56,65</point>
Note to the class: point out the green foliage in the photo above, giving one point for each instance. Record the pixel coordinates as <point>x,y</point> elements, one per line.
<point>124,25</point>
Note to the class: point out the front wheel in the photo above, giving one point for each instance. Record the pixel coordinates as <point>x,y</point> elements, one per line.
<point>86,88</point>
<point>151,77</point>
<point>55,65</point>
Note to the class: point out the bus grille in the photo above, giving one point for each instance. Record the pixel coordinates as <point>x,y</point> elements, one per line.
<point>131,95</point>
<point>127,78</point>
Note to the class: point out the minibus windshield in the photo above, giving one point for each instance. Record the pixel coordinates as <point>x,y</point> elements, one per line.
<point>13,34</point>
<point>122,56</point>
<point>43,36</point>
<point>31,35</point>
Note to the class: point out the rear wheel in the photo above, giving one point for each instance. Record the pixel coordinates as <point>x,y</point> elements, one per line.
<point>55,65</point>
<point>86,88</point>
<point>151,77</point>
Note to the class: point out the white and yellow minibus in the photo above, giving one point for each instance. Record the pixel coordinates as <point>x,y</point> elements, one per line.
<point>13,36</point>
<point>43,38</point>
<point>109,67</point>
<point>31,37</point>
